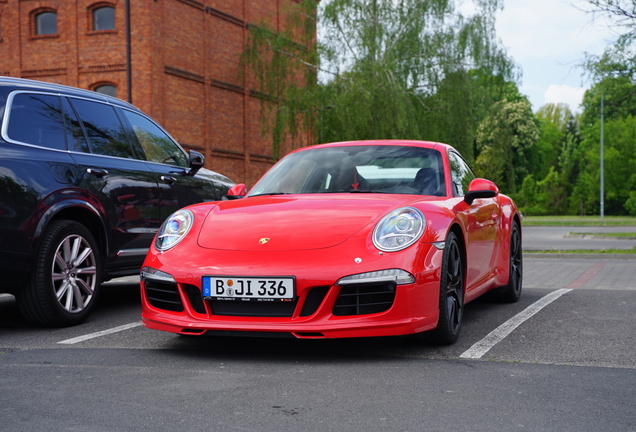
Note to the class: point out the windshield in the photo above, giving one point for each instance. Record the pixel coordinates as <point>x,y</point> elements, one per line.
<point>363,169</point>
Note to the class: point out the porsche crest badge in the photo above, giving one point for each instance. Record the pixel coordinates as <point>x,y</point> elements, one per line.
<point>263,240</point>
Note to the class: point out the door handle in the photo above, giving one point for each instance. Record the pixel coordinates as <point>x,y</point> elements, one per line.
<point>97,172</point>
<point>168,179</point>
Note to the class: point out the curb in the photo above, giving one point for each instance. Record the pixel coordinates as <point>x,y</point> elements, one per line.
<point>588,256</point>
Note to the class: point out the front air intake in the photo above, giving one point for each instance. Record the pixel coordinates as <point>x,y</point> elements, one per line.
<point>364,299</point>
<point>163,295</point>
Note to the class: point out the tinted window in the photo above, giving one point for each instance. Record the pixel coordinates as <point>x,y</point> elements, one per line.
<point>105,132</point>
<point>37,119</point>
<point>46,23</point>
<point>104,18</point>
<point>156,144</point>
<point>75,134</point>
<point>461,174</point>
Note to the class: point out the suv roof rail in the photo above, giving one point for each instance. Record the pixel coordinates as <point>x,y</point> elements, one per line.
<point>63,88</point>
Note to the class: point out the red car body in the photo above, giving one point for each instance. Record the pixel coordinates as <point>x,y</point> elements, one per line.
<point>325,247</point>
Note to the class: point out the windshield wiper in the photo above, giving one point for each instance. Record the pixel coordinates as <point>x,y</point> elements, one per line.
<point>271,193</point>
<point>354,191</point>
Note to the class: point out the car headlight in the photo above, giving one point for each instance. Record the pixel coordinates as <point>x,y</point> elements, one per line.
<point>399,229</point>
<point>174,229</point>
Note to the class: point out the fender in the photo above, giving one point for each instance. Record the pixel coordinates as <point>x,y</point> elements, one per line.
<point>72,205</point>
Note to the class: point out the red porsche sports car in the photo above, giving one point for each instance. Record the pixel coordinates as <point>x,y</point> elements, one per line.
<point>350,239</point>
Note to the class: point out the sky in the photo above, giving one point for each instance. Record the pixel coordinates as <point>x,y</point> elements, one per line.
<point>548,39</point>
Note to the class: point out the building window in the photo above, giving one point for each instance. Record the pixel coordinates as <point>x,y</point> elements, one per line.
<point>103,18</point>
<point>45,23</point>
<point>106,88</point>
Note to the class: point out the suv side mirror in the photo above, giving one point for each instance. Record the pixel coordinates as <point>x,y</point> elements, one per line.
<point>480,188</point>
<point>196,162</point>
<point>237,191</point>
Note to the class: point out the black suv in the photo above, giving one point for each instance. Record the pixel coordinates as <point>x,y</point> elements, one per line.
<point>85,182</point>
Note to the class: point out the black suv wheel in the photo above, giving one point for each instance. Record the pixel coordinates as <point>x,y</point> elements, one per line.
<point>65,284</point>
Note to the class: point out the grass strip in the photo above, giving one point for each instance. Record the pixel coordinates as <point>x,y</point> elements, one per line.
<point>582,251</point>
<point>579,221</point>
<point>621,235</point>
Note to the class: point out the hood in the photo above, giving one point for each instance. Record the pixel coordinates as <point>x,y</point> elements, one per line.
<point>291,223</point>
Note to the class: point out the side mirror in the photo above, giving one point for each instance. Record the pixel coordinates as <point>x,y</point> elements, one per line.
<point>237,191</point>
<point>196,162</point>
<point>480,188</point>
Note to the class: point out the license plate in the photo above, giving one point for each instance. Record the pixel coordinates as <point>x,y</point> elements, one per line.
<point>248,288</point>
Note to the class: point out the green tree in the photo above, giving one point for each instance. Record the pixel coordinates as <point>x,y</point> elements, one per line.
<point>284,66</point>
<point>410,69</point>
<point>619,101</point>
<point>462,100</point>
<point>530,199</point>
<point>619,58</point>
<point>614,74</point>
<point>619,162</point>
<point>619,111</point>
<point>386,70</point>
<point>506,142</point>
<point>554,120</point>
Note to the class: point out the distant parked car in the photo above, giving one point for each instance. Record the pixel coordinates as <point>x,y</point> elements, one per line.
<point>352,239</point>
<point>86,180</point>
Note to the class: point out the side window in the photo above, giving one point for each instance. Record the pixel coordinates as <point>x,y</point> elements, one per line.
<point>105,132</point>
<point>158,146</point>
<point>461,174</point>
<point>75,134</point>
<point>37,119</point>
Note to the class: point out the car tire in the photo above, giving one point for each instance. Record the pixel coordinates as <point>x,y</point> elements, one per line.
<point>451,295</point>
<point>511,292</point>
<point>64,285</point>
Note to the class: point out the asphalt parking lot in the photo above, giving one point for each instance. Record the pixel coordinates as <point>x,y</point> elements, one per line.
<point>562,358</point>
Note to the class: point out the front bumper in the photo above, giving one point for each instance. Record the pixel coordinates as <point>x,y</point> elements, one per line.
<point>320,309</point>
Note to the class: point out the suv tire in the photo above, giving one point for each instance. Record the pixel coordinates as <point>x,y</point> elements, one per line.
<point>66,282</point>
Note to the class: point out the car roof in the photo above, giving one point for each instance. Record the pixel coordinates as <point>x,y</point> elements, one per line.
<point>383,142</point>
<point>27,84</point>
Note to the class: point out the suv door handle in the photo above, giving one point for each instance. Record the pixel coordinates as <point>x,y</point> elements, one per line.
<point>168,179</point>
<point>97,172</point>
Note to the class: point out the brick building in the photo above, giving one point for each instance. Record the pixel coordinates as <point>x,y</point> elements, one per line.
<point>177,60</point>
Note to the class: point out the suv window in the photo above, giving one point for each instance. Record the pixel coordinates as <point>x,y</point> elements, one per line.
<point>74,130</point>
<point>106,134</point>
<point>37,119</point>
<point>158,146</point>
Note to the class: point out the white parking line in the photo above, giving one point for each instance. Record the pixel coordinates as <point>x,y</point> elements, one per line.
<point>497,335</point>
<point>100,333</point>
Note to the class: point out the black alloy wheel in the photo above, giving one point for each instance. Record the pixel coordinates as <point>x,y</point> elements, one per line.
<point>451,296</point>
<point>65,282</point>
<point>512,291</point>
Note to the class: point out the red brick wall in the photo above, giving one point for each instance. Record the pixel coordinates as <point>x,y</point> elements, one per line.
<point>186,71</point>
